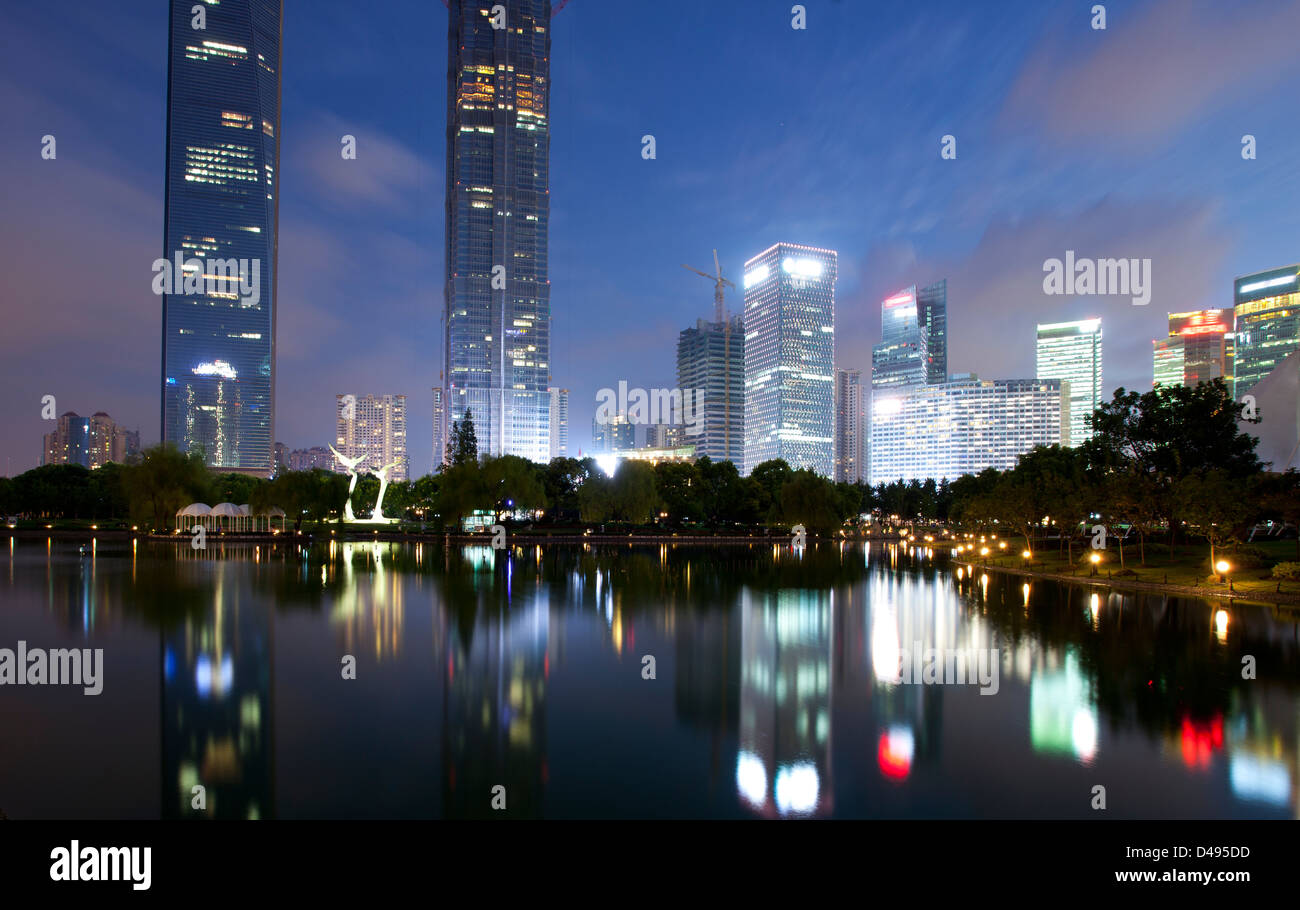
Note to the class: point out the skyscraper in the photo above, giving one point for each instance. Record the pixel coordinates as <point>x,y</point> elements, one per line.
<point>1199,348</point>
<point>1267,309</point>
<point>902,358</point>
<point>497,316</point>
<point>943,431</point>
<point>711,359</point>
<point>932,319</point>
<point>375,426</point>
<point>790,357</point>
<point>439,427</point>
<point>220,219</point>
<point>559,422</point>
<point>1071,352</point>
<point>848,426</point>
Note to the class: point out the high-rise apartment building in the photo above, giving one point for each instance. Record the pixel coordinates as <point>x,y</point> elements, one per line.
<point>439,427</point>
<point>497,316</point>
<point>1071,352</point>
<point>220,222</point>
<point>311,459</point>
<point>1199,348</point>
<point>89,441</point>
<point>848,426</point>
<point>962,427</point>
<point>667,436</point>
<point>711,360</point>
<point>790,357</point>
<point>559,422</point>
<point>1267,330</point>
<point>374,426</point>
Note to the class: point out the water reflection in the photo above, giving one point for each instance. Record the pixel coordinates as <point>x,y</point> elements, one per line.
<point>779,678</point>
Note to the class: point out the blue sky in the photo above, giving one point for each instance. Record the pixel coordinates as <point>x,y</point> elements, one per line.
<point>1123,142</point>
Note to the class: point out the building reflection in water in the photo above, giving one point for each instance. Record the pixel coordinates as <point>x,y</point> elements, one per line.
<point>783,767</point>
<point>494,710</point>
<point>368,606</point>
<point>217,673</point>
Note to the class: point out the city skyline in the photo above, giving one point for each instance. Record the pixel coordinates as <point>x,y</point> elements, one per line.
<point>1137,199</point>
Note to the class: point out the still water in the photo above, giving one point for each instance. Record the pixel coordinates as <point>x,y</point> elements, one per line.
<point>775,691</point>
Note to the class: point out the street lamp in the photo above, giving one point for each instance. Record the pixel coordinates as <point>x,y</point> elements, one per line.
<point>1027,555</point>
<point>1222,568</point>
<point>1095,558</point>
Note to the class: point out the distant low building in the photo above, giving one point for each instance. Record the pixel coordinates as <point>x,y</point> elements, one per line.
<point>310,459</point>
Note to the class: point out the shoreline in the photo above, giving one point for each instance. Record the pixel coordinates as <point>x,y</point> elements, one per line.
<point>353,535</point>
<point>1256,597</point>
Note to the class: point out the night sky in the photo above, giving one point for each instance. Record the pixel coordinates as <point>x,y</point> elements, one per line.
<point>1117,143</point>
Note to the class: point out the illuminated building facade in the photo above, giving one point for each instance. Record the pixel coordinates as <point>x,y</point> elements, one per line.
<point>618,434</point>
<point>1199,348</point>
<point>497,316</point>
<point>711,359</point>
<point>901,359</point>
<point>848,426</point>
<point>1071,352</point>
<point>790,357</point>
<point>559,422</point>
<point>222,205</point>
<point>943,431</point>
<point>90,442</point>
<point>932,320</point>
<point>439,427</point>
<point>1267,309</point>
<point>375,426</point>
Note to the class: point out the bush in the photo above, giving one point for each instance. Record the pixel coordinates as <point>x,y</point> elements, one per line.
<point>1246,557</point>
<point>1287,571</point>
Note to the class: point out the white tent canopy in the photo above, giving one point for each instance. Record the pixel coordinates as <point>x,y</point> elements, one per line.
<point>226,516</point>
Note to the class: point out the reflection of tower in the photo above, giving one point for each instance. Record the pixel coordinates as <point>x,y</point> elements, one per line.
<point>217,673</point>
<point>494,715</point>
<point>784,764</point>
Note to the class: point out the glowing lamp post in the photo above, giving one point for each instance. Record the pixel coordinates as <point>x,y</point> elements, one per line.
<point>1223,569</point>
<point>1095,558</point>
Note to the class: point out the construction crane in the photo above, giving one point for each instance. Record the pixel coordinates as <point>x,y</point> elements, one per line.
<point>720,285</point>
<point>719,308</point>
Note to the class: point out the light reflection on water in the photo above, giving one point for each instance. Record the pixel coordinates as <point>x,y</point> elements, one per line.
<point>776,689</point>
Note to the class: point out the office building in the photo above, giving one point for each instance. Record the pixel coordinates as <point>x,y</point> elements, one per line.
<point>790,357</point>
<point>497,314</point>
<point>668,436</point>
<point>901,359</point>
<point>932,320</point>
<point>1267,329</point>
<point>374,426</point>
<point>1071,352</point>
<point>711,360</point>
<point>220,221</point>
<point>618,434</point>
<point>848,426</point>
<point>1199,348</point>
<point>559,422</point>
<point>943,431</point>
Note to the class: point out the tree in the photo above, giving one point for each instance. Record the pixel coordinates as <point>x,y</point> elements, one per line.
<point>462,447</point>
<point>770,477</point>
<point>810,500</point>
<point>511,482</point>
<point>634,496</point>
<point>1219,504</point>
<point>164,482</point>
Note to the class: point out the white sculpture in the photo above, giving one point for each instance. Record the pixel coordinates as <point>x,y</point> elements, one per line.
<point>382,474</point>
<point>351,465</point>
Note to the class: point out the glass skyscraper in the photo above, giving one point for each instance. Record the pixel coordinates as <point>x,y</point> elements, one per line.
<point>1267,306</point>
<point>497,316</point>
<point>221,217</point>
<point>932,319</point>
<point>1071,352</point>
<point>1199,348</point>
<point>711,360</point>
<point>790,357</point>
